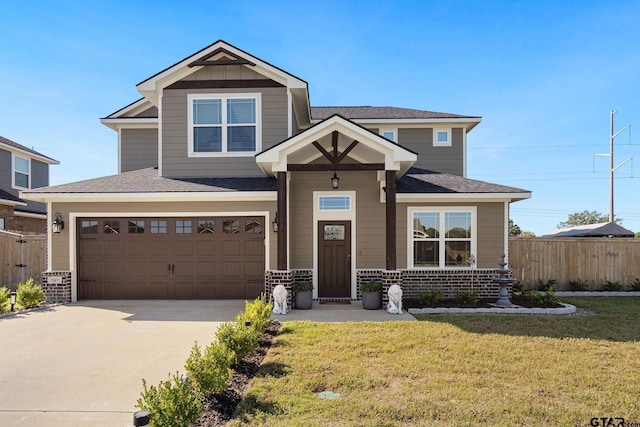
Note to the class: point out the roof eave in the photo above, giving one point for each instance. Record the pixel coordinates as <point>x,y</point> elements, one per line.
<point>469,197</point>
<point>175,196</point>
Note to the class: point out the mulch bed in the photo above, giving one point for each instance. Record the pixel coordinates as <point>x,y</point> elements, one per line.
<point>220,408</point>
<point>480,303</point>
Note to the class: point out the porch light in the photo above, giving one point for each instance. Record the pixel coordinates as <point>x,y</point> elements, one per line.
<point>274,223</point>
<point>335,181</point>
<point>12,298</point>
<point>58,224</point>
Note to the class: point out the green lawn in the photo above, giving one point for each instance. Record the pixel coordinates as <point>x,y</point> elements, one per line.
<point>454,370</point>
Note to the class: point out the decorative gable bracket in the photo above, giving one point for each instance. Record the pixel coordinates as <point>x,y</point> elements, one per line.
<point>206,60</point>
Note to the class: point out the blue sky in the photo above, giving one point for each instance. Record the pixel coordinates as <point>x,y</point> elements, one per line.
<point>542,74</point>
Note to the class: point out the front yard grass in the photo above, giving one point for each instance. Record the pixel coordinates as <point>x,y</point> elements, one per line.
<point>454,370</point>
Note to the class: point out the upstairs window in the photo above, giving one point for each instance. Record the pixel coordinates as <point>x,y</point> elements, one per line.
<point>442,137</point>
<point>224,125</point>
<point>21,172</point>
<point>390,134</point>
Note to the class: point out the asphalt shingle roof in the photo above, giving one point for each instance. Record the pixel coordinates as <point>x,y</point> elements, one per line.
<point>5,195</point>
<point>14,144</point>
<point>425,181</point>
<point>367,112</point>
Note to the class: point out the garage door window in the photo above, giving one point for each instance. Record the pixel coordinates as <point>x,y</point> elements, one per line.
<point>253,227</point>
<point>136,227</point>
<point>111,227</point>
<point>231,226</point>
<point>89,227</point>
<point>158,227</point>
<point>205,226</point>
<point>183,227</point>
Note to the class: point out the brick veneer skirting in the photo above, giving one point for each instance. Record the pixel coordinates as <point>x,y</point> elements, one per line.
<point>57,292</point>
<point>287,278</point>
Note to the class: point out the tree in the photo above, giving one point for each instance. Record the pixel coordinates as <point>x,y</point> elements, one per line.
<point>514,230</point>
<point>585,218</point>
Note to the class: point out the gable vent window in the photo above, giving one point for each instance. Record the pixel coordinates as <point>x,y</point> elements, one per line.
<point>224,125</point>
<point>21,172</point>
<point>442,137</point>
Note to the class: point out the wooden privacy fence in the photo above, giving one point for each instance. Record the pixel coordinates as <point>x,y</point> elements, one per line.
<point>594,260</point>
<point>21,256</point>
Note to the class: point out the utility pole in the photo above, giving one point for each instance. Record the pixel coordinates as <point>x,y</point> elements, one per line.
<point>612,169</point>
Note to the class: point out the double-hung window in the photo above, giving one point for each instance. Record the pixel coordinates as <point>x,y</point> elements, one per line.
<point>224,124</point>
<point>21,172</point>
<point>442,237</point>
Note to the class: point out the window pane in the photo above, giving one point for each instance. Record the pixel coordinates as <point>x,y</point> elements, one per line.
<point>231,226</point>
<point>442,137</point>
<point>22,165</point>
<point>1,223</point>
<point>208,139</point>
<point>136,227</point>
<point>426,225</point>
<point>335,203</point>
<point>111,227</point>
<point>158,227</point>
<point>425,254</point>
<point>22,180</point>
<point>241,138</point>
<point>458,225</point>
<point>183,227</point>
<point>389,135</point>
<point>207,112</point>
<point>89,227</point>
<point>241,111</point>
<point>205,226</point>
<point>457,253</point>
<point>253,227</point>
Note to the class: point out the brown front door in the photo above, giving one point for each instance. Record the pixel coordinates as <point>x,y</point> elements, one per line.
<point>334,259</point>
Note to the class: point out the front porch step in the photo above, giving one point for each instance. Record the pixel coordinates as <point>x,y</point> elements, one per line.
<point>345,301</point>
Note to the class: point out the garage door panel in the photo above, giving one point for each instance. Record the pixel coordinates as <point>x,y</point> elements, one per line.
<point>175,262</point>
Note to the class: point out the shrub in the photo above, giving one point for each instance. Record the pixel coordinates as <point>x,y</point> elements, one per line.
<point>466,297</point>
<point>238,338</point>
<point>545,286</point>
<point>172,403</point>
<point>635,285</point>
<point>578,285</point>
<point>29,294</point>
<point>612,286</point>
<point>301,287</point>
<point>372,287</point>
<point>258,313</point>
<point>4,300</point>
<point>210,371</point>
<point>431,298</point>
<point>546,299</point>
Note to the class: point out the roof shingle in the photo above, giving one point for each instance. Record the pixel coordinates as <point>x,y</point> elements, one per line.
<point>368,112</point>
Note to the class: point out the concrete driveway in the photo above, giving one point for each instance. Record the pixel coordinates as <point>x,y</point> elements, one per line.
<point>83,363</point>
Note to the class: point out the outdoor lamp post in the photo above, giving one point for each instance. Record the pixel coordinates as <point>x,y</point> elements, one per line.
<point>12,298</point>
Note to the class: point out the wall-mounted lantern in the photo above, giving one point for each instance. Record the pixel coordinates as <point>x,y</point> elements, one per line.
<point>58,224</point>
<point>335,181</point>
<point>274,224</point>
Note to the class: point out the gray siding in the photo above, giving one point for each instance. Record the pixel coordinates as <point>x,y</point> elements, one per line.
<point>224,72</point>
<point>39,178</point>
<point>5,172</point>
<point>138,149</point>
<point>439,159</point>
<point>176,163</point>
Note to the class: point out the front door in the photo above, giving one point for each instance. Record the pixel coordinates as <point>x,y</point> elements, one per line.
<point>334,259</point>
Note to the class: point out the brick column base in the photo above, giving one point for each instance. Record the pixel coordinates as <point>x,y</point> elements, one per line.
<point>56,286</point>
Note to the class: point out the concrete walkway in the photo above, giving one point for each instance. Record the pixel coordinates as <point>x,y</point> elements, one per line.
<point>82,364</point>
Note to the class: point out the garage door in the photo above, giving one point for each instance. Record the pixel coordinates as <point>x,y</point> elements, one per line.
<point>216,257</point>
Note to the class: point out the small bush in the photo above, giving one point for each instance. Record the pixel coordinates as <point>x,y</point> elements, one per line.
<point>578,285</point>
<point>301,287</point>
<point>635,285</point>
<point>29,294</point>
<point>372,287</point>
<point>546,299</point>
<point>210,371</point>
<point>431,298</point>
<point>172,403</point>
<point>258,313</point>
<point>545,286</point>
<point>466,297</point>
<point>612,286</point>
<point>4,300</point>
<point>238,338</point>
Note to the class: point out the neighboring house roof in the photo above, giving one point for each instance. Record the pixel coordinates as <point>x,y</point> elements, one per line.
<point>148,182</point>
<point>367,112</point>
<point>419,181</point>
<point>603,229</point>
<point>9,199</point>
<point>14,146</point>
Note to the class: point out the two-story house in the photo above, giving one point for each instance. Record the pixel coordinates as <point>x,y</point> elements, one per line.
<point>22,168</point>
<point>231,182</point>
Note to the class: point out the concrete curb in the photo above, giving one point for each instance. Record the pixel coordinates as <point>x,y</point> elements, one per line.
<point>597,294</point>
<point>566,309</point>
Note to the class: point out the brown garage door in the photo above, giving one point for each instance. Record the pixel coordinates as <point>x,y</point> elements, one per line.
<point>216,257</point>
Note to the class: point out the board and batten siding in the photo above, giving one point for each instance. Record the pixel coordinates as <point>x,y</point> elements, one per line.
<point>60,242</point>
<point>175,160</point>
<point>138,149</point>
<point>370,216</point>
<point>438,159</point>
<point>490,232</point>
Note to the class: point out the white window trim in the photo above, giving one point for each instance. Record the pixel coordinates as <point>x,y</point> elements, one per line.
<point>13,172</point>
<point>1,223</point>
<point>435,137</point>
<point>224,97</point>
<point>442,210</point>
<point>394,131</point>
